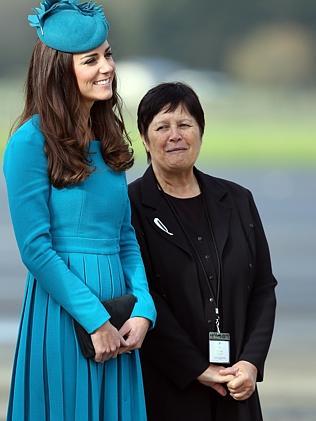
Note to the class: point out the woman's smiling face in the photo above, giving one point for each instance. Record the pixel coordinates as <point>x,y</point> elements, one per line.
<point>94,71</point>
<point>173,140</point>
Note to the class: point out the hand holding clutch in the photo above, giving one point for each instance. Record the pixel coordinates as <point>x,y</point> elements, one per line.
<point>134,331</point>
<point>107,342</point>
<point>119,308</point>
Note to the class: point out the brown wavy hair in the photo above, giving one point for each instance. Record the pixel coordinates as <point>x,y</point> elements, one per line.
<point>52,92</point>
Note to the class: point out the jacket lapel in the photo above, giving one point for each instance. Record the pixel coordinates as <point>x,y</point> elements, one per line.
<point>158,213</point>
<point>219,207</point>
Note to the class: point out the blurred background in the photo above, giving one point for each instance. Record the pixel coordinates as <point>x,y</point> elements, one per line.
<point>253,65</point>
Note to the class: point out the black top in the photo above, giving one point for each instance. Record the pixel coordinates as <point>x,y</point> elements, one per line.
<point>193,217</point>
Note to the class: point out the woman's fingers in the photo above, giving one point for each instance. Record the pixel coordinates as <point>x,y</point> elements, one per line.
<point>228,371</point>
<point>219,389</point>
<point>134,331</point>
<point>240,379</point>
<point>125,329</point>
<point>244,384</point>
<point>241,396</point>
<point>123,342</point>
<point>98,358</point>
<point>106,341</point>
<point>211,377</point>
<point>235,384</point>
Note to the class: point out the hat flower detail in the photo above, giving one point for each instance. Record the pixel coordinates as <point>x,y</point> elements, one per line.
<point>48,7</point>
<point>89,8</point>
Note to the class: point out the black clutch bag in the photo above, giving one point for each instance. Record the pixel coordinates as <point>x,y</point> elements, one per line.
<point>119,308</point>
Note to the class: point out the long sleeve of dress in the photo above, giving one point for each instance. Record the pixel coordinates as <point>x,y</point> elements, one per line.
<point>134,272</point>
<point>28,186</point>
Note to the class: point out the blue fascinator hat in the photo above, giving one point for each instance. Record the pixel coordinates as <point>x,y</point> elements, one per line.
<point>70,26</point>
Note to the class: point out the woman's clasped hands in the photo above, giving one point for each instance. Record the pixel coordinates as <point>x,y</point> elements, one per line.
<point>240,379</point>
<point>108,342</point>
<point>243,384</point>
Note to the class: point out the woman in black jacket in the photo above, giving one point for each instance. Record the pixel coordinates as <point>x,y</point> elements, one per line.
<point>209,271</point>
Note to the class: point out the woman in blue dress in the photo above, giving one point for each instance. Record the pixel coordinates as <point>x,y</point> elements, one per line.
<point>64,167</point>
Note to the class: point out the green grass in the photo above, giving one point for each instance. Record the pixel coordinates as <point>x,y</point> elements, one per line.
<point>240,143</point>
<point>245,129</point>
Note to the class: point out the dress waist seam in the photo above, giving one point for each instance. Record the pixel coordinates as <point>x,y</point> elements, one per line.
<point>86,245</point>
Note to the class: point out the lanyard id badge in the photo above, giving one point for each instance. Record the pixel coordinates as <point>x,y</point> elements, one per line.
<point>219,344</point>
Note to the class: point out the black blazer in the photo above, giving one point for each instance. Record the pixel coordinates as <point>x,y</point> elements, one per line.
<point>175,353</point>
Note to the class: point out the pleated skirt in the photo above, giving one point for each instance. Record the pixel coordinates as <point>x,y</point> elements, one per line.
<point>51,380</point>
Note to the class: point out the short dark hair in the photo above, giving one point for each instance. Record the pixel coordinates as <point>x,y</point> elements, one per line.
<point>168,95</point>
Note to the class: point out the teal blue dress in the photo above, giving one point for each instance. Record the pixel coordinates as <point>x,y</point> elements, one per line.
<point>79,248</point>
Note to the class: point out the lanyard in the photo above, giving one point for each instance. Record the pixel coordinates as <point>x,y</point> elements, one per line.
<point>219,263</point>
<point>215,295</point>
